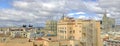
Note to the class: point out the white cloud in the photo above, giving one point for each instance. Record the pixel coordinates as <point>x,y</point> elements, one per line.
<point>38,11</point>
<point>112,6</point>
<point>80,13</point>
<point>93,7</point>
<point>76,13</point>
<point>48,5</point>
<point>89,17</point>
<point>20,4</point>
<point>82,17</point>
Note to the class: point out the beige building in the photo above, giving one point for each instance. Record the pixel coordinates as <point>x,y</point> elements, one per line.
<point>15,42</point>
<point>17,32</point>
<point>28,42</point>
<point>70,32</point>
<point>53,41</point>
<point>4,31</point>
<point>86,31</point>
<point>45,42</point>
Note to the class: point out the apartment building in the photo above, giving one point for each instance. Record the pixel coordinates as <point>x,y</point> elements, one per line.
<point>51,27</point>
<point>86,31</point>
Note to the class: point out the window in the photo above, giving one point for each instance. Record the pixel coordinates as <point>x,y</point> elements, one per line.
<point>41,44</point>
<point>62,31</point>
<point>61,37</point>
<point>23,34</point>
<point>65,28</point>
<point>73,31</point>
<point>70,32</point>
<point>70,28</point>
<point>76,45</point>
<point>79,31</point>
<point>35,45</point>
<point>65,31</point>
<point>71,37</point>
<point>21,29</point>
<point>49,38</point>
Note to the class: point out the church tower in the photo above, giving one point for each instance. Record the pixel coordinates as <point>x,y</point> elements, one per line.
<point>107,23</point>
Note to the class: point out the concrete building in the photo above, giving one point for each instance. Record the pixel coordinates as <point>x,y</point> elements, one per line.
<point>70,32</point>
<point>117,28</point>
<point>51,27</point>
<point>108,24</point>
<point>112,43</point>
<point>17,32</point>
<point>4,31</point>
<point>86,31</point>
<point>111,39</point>
<point>91,33</point>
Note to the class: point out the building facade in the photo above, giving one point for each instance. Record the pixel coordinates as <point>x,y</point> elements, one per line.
<point>51,27</point>
<point>91,33</point>
<point>112,43</point>
<point>108,24</point>
<point>86,31</point>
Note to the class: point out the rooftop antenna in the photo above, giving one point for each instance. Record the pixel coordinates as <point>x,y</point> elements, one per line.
<point>105,13</point>
<point>63,16</point>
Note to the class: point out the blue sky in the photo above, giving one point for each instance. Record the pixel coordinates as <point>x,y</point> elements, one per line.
<point>5,3</point>
<point>91,0</point>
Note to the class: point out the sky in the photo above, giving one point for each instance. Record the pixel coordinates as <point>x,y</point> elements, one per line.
<point>36,12</point>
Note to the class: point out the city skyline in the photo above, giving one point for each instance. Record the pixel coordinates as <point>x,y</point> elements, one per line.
<point>59,23</point>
